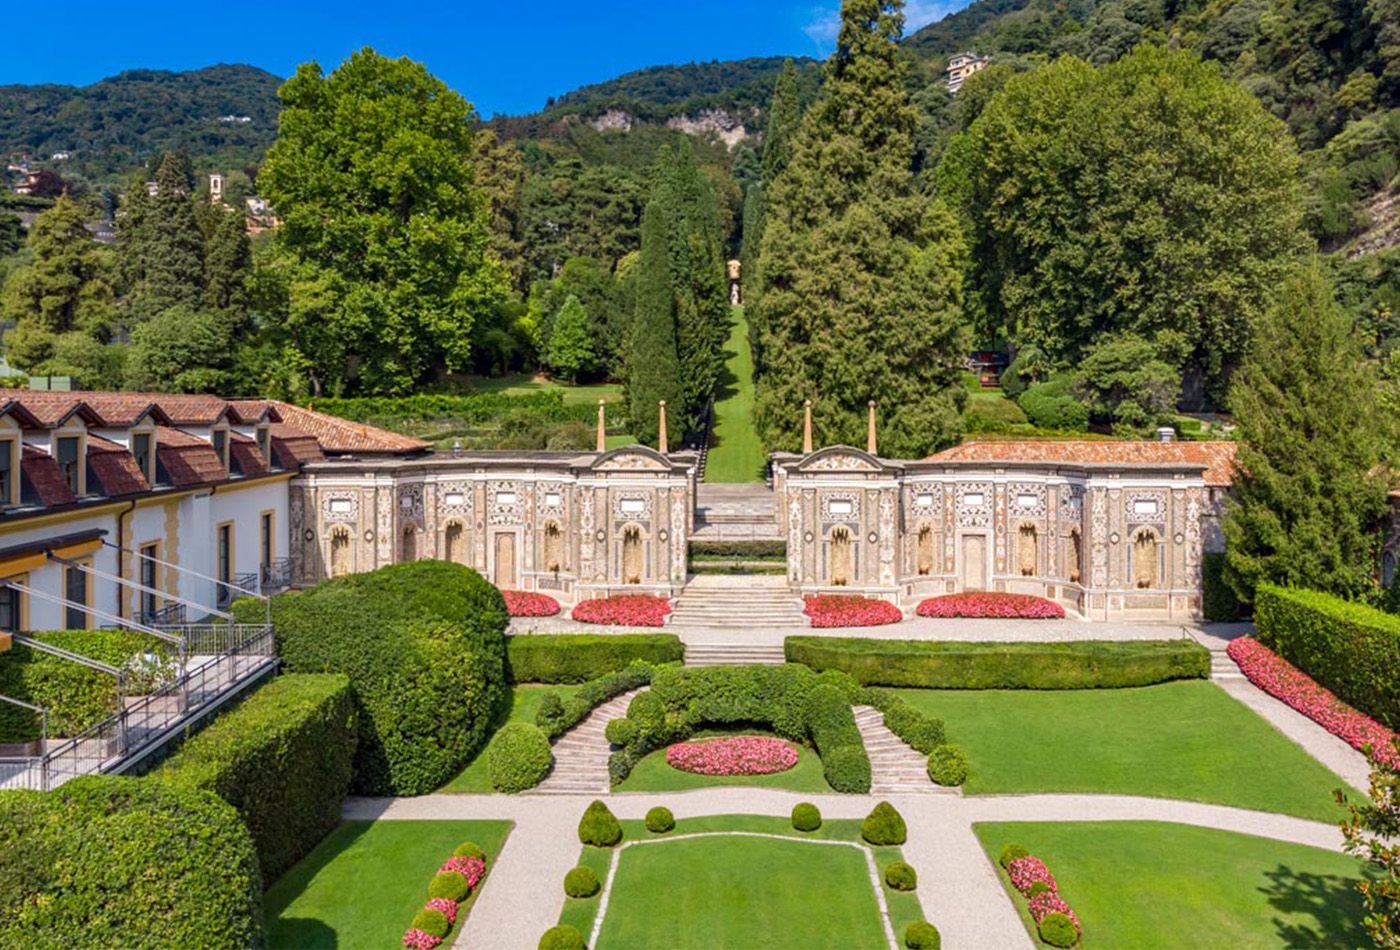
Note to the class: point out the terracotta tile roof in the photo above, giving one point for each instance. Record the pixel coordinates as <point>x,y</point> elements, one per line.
<point>117,410</point>
<point>1217,458</point>
<point>12,407</point>
<point>51,407</point>
<point>252,410</point>
<point>43,482</point>
<point>293,448</point>
<point>342,437</point>
<point>187,460</point>
<point>244,457</point>
<point>115,468</point>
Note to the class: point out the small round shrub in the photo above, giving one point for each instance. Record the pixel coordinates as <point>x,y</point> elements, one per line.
<point>922,935</point>
<point>470,849</point>
<point>1058,930</point>
<point>621,731</point>
<point>884,826</point>
<point>947,765</point>
<point>449,884</point>
<point>599,827</point>
<point>1010,853</point>
<point>562,937</point>
<point>660,820</point>
<point>1036,889</point>
<point>518,757</point>
<point>431,921</point>
<point>806,817</point>
<point>901,876</point>
<point>581,882</point>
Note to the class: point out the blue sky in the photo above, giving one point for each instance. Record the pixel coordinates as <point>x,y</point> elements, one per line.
<point>504,57</point>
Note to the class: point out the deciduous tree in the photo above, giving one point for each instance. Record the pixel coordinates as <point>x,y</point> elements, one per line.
<point>571,340</point>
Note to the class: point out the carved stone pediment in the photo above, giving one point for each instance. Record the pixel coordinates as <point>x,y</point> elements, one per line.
<point>839,458</point>
<point>632,458</point>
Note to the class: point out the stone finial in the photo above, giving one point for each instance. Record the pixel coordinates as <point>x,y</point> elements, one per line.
<point>661,426</point>
<point>870,430</point>
<point>602,427</point>
<point>807,427</point>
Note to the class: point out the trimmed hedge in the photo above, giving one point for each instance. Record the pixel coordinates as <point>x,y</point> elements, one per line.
<point>126,862</point>
<point>548,406</point>
<point>1084,664</point>
<point>578,657</point>
<point>756,550</point>
<point>518,757</point>
<point>1218,600</point>
<point>424,646</point>
<point>75,696</point>
<point>283,758</point>
<point>557,716</point>
<point>1351,649</point>
<point>922,733</point>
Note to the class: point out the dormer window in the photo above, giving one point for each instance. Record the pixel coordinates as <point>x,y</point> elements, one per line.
<point>9,472</point>
<point>141,446</point>
<point>69,457</point>
<point>220,441</point>
<point>262,444</point>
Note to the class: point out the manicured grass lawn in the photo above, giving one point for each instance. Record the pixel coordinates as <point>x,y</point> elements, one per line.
<point>523,384</point>
<point>525,702</point>
<point>1150,884</point>
<point>1187,740</point>
<point>652,774</point>
<point>365,881</point>
<point>736,453</point>
<point>741,891</point>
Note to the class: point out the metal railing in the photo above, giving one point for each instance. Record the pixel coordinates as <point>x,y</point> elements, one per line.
<point>171,615</point>
<point>242,585</point>
<point>276,575</point>
<point>18,771</point>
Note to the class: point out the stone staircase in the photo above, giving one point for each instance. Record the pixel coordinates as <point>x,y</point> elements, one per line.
<point>581,754</point>
<point>740,602</point>
<point>1222,668</point>
<point>732,654</point>
<point>895,768</point>
<point>735,513</point>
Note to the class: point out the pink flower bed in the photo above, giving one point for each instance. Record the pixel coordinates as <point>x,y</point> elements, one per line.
<point>1030,870</point>
<point>996,606</point>
<point>473,869</point>
<point>733,755</point>
<point>624,610</point>
<point>446,905</point>
<point>1284,681</point>
<point>850,610</point>
<point>470,868</point>
<point>417,939</point>
<point>527,603</point>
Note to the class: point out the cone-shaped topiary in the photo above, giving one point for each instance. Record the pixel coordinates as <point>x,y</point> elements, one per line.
<point>660,820</point>
<point>806,817</point>
<point>581,882</point>
<point>562,937</point>
<point>884,825</point>
<point>599,827</point>
<point>922,935</point>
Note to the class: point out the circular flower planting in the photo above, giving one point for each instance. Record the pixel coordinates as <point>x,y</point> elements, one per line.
<point>996,606</point>
<point>733,755</point>
<point>624,610</point>
<point>850,610</point>
<point>527,603</point>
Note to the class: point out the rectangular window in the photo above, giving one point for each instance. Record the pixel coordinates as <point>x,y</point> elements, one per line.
<point>9,609</point>
<point>266,540</point>
<point>262,445</point>
<point>225,555</point>
<point>149,604</point>
<point>7,473</point>
<point>220,439</point>
<point>68,463</point>
<point>75,591</point>
<point>141,450</point>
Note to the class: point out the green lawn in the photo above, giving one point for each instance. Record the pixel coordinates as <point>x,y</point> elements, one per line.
<point>1187,740</point>
<point>741,891</point>
<point>525,702</point>
<point>736,453</point>
<point>523,384</point>
<point>365,881</point>
<point>652,774</point>
<point>1150,884</point>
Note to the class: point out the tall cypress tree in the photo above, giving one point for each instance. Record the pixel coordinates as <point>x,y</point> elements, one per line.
<point>164,246</point>
<point>1309,491</point>
<point>862,277</point>
<point>653,368</point>
<point>697,276</point>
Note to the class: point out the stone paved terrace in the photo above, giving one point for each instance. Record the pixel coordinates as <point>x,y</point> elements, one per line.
<point>735,513</point>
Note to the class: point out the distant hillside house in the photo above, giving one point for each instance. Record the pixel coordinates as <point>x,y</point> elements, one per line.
<point>963,65</point>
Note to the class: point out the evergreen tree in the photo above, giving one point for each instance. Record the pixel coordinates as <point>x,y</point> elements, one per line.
<point>1309,491</point>
<point>169,243</point>
<point>653,368</point>
<point>571,341</point>
<point>228,262</point>
<point>862,278</point>
<point>180,349</point>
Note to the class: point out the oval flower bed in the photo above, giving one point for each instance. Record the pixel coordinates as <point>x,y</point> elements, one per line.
<point>993,605</point>
<point>733,755</point>
<point>624,610</point>
<point>527,603</point>
<point>850,610</point>
<point>1284,681</point>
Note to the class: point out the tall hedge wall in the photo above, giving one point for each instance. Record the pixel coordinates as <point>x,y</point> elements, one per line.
<point>121,862</point>
<point>1218,600</point>
<point>1352,649</point>
<point>424,646</point>
<point>1082,664</point>
<point>579,657</point>
<point>283,758</point>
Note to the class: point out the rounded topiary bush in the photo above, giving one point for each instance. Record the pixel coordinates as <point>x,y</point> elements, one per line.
<point>424,646</point>
<point>518,757</point>
<point>581,882</point>
<point>1010,853</point>
<point>431,921</point>
<point>947,765</point>
<point>660,820</point>
<point>620,731</point>
<point>469,849</point>
<point>1036,889</point>
<point>806,817</point>
<point>648,711</point>
<point>901,876</point>
<point>922,935</point>
<point>884,825</point>
<point>562,937</point>
<point>1058,930</point>
<point>599,827</point>
<point>847,769</point>
<point>449,884</point>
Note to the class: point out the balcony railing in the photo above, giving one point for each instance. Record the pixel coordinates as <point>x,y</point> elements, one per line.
<point>277,575</point>
<point>240,585</point>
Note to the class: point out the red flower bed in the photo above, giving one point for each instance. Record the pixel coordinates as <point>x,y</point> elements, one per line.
<point>1284,681</point>
<point>733,755</point>
<point>850,610</point>
<point>527,603</point>
<point>624,610</point>
<point>1025,872</point>
<point>997,606</point>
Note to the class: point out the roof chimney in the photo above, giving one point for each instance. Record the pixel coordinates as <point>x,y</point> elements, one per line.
<point>1166,434</point>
